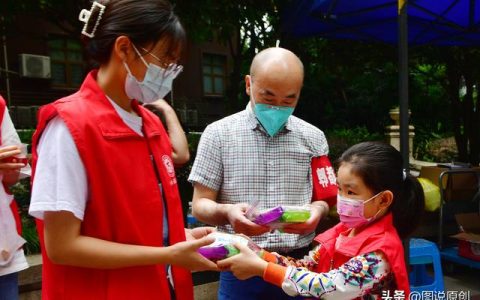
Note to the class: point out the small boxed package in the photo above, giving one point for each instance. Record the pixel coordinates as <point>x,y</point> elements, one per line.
<point>469,237</point>
<point>282,214</point>
<point>223,246</point>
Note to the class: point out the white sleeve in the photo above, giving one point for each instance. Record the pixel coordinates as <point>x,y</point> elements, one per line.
<point>9,134</point>
<point>60,178</point>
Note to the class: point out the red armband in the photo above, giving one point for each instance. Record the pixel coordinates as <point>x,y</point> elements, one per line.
<point>324,180</point>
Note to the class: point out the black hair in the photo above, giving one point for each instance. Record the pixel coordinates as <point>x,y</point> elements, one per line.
<point>143,21</point>
<point>381,167</point>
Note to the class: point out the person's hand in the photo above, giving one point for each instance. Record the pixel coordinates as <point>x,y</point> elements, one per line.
<point>185,255</point>
<point>159,105</point>
<point>198,232</point>
<point>7,164</point>
<point>244,265</point>
<point>316,213</point>
<point>251,244</point>
<point>240,223</point>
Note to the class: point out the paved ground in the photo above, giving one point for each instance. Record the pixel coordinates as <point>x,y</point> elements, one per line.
<point>464,278</point>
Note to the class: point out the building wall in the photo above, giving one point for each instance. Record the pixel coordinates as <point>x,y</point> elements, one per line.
<point>188,89</point>
<point>30,34</point>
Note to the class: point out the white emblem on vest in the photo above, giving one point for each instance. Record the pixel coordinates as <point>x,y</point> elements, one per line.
<point>167,161</point>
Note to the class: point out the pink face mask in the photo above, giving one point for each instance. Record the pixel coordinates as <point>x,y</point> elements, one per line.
<point>351,211</point>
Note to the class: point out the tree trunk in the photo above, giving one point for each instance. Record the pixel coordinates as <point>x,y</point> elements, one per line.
<point>452,87</point>
<point>475,138</point>
<point>469,107</point>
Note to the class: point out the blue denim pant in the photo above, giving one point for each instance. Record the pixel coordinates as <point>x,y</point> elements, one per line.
<point>9,287</point>
<point>254,288</point>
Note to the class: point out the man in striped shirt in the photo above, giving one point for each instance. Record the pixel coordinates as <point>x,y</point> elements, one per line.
<point>263,154</point>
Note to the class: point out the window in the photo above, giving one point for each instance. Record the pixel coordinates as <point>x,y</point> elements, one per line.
<point>214,74</point>
<point>66,60</point>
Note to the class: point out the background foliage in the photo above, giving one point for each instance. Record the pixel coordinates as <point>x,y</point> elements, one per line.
<point>349,86</point>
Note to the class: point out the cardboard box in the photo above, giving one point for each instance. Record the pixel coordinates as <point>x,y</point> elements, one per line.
<point>458,187</point>
<point>469,238</point>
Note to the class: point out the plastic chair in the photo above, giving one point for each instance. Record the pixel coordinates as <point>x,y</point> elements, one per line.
<point>423,252</point>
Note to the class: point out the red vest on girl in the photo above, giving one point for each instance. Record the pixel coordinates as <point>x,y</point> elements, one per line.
<point>124,200</point>
<point>13,204</point>
<point>378,236</point>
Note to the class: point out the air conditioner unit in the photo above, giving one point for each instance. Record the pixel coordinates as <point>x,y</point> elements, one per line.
<point>34,66</point>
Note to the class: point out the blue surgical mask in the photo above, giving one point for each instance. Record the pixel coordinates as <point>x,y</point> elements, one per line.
<point>156,84</point>
<point>273,118</point>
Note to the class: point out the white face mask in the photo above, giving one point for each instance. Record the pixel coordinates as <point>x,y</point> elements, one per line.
<point>156,84</point>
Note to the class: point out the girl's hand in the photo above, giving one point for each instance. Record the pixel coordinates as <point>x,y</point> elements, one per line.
<point>184,254</point>
<point>244,265</point>
<point>160,106</point>
<point>7,153</point>
<point>198,232</point>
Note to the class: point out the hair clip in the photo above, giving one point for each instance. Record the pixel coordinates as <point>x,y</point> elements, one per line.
<point>84,17</point>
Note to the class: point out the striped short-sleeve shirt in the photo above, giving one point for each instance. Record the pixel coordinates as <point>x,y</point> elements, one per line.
<point>239,160</point>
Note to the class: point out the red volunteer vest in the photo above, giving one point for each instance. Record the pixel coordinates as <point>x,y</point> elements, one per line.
<point>380,235</point>
<point>124,203</point>
<point>13,204</point>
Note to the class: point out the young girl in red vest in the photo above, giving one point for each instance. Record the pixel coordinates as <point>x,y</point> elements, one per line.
<point>361,257</point>
<point>104,189</point>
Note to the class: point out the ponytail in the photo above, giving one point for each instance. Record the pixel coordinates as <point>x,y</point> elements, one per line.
<point>408,210</point>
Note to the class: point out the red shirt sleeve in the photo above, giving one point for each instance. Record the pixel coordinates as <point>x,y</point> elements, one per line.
<point>324,180</point>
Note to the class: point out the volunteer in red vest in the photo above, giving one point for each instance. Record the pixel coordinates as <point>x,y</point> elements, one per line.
<point>362,257</point>
<point>104,187</point>
<point>12,258</point>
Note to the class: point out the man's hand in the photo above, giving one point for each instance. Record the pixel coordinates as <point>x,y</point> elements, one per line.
<point>319,209</point>
<point>240,223</point>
